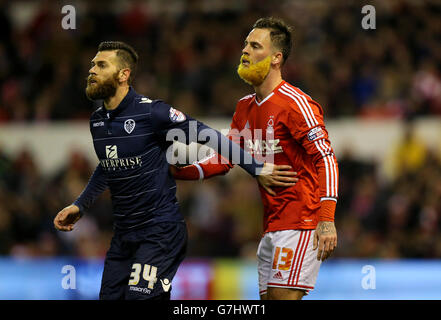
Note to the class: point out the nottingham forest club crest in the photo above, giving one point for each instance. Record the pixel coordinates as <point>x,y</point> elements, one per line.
<point>129,125</point>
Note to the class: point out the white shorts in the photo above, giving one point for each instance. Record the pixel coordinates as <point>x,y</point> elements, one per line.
<point>285,259</point>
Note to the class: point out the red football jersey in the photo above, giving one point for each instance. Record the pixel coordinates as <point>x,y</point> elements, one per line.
<point>286,127</point>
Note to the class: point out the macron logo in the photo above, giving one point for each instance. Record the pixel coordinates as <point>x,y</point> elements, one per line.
<point>98,124</point>
<point>165,284</point>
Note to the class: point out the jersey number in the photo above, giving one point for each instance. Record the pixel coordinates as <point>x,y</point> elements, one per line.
<point>148,275</point>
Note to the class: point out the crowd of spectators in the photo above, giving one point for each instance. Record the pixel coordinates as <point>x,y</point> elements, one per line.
<point>189,51</point>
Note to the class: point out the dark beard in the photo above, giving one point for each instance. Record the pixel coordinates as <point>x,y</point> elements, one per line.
<point>102,91</point>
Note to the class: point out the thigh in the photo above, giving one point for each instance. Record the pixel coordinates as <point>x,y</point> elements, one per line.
<point>116,270</point>
<point>294,262</point>
<point>156,261</point>
<point>275,293</point>
<point>264,262</point>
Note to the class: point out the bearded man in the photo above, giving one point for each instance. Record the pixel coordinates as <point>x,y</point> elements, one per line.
<point>284,123</point>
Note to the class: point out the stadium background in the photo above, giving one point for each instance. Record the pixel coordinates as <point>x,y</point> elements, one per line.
<point>381,93</point>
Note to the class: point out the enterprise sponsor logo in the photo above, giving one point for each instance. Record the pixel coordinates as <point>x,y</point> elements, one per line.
<point>121,164</point>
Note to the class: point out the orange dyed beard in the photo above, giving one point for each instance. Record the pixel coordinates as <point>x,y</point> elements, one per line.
<point>255,73</point>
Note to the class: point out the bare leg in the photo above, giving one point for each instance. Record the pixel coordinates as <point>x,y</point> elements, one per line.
<point>274,293</point>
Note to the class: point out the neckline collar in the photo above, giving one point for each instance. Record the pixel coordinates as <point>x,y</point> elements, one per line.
<point>269,95</point>
<point>125,102</point>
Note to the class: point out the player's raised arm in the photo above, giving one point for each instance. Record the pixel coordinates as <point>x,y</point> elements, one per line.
<point>67,217</point>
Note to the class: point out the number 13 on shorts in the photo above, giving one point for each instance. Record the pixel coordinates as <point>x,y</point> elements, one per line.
<point>284,256</point>
<point>286,259</point>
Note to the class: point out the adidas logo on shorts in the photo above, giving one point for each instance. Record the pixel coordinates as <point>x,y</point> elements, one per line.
<point>278,275</point>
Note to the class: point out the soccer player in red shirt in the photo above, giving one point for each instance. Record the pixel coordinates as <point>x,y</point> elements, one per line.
<point>281,124</point>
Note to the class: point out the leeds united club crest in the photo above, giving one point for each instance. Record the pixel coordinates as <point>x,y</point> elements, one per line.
<point>129,125</point>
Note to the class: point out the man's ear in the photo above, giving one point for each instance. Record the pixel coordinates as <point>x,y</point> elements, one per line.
<point>277,58</point>
<point>124,75</point>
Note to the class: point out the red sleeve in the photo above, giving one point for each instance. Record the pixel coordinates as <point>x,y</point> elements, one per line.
<point>327,210</point>
<point>210,166</point>
<point>308,128</point>
<point>186,173</point>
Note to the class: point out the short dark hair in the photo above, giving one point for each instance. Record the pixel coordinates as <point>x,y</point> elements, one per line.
<point>126,54</point>
<point>280,33</point>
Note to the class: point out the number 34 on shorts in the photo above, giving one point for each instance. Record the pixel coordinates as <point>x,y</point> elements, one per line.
<point>149,275</point>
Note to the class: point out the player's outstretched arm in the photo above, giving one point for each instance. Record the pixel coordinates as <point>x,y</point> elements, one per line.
<point>172,125</point>
<point>270,176</point>
<point>167,119</point>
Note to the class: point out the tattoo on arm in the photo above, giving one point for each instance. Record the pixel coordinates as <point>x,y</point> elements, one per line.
<point>326,228</point>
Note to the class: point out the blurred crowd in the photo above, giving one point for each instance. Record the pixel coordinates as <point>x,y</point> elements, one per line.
<point>189,51</point>
<point>375,218</point>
